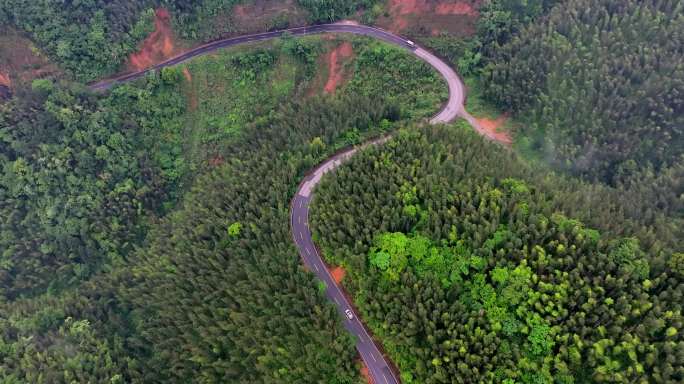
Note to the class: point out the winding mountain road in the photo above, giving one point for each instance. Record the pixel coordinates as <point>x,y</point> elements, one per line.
<point>376,362</point>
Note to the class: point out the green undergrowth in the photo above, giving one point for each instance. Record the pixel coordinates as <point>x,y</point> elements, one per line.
<point>224,94</point>
<point>390,72</point>
<point>469,264</point>
<point>480,107</point>
<point>232,88</point>
<point>475,101</point>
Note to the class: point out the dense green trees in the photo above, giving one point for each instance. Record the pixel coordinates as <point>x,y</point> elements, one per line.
<point>414,85</point>
<point>112,273</point>
<point>75,180</point>
<point>326,11</point>
<point>470,267</point>
<point>217,293</point>
<point>468,264</point>
<point>224,304</point>
<point>88,38</point>
<point>599,83</point>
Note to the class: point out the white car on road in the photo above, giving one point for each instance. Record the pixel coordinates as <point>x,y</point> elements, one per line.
<point>349,313</point>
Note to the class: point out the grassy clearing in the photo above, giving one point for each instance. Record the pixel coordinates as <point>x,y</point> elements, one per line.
<point>222,95</point>
<point>475,102</point>
<point>386,71</point>
<point>234,87</point>
<point>237,86</point>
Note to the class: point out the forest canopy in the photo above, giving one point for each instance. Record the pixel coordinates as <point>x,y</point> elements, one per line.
<point>599,84</point>
<point>145,230</point>
<point>93,38</point>
<point>469,267</point>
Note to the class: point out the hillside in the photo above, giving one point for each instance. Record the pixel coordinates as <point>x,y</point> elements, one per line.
<point>128,172</point>
<point>305,209</point>
<point>470,267</point>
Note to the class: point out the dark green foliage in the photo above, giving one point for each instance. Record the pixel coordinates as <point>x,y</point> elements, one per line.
<point>384,71</point>
<point>327,11</point>
<point>220,304</point>
<point>76,182</point>
<point>500,20</point>
<point>491,280</point>
<point>217,292</point>
<point>599,83</point>
<point>88,38</point>
<point>81,336</point>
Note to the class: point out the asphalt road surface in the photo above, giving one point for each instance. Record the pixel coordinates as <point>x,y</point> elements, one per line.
<point>378,366</point>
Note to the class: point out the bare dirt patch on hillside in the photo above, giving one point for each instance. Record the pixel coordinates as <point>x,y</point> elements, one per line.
<point>5,80</point>
<point>431,17</point>
<point>336,60</point>
<point>191,91</point>
<point>261,15</point>
<point>458,8</point>
<point>158,46</point>
<point>20,60</point>
<point>493,128</point>
<point>338,274</point>
<point>365,373</point>
<point>334,67</point>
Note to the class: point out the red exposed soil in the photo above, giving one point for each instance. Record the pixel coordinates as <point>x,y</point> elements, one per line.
<point>259,15</point>
<point>399,9</point>
<point>335,60</point>
<point>404,7</point>
<point>158,46</point>
<point>216,161</point>
<point>338,274</point>
<point>191,91</point>
<point>431,16</point>
<point>492,127</point>
<point>458,8</point>
<point>186,73</point>
<point>240,11</point>
<point>20,60</point>
<point>365,373</point>
<point>5,80</point>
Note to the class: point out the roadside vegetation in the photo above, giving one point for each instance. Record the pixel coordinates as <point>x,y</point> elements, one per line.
<point>549,71</point>
<point>105,194</point>
<point>92,39</point>
<point>144,234</point>
<point>470,265</point>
